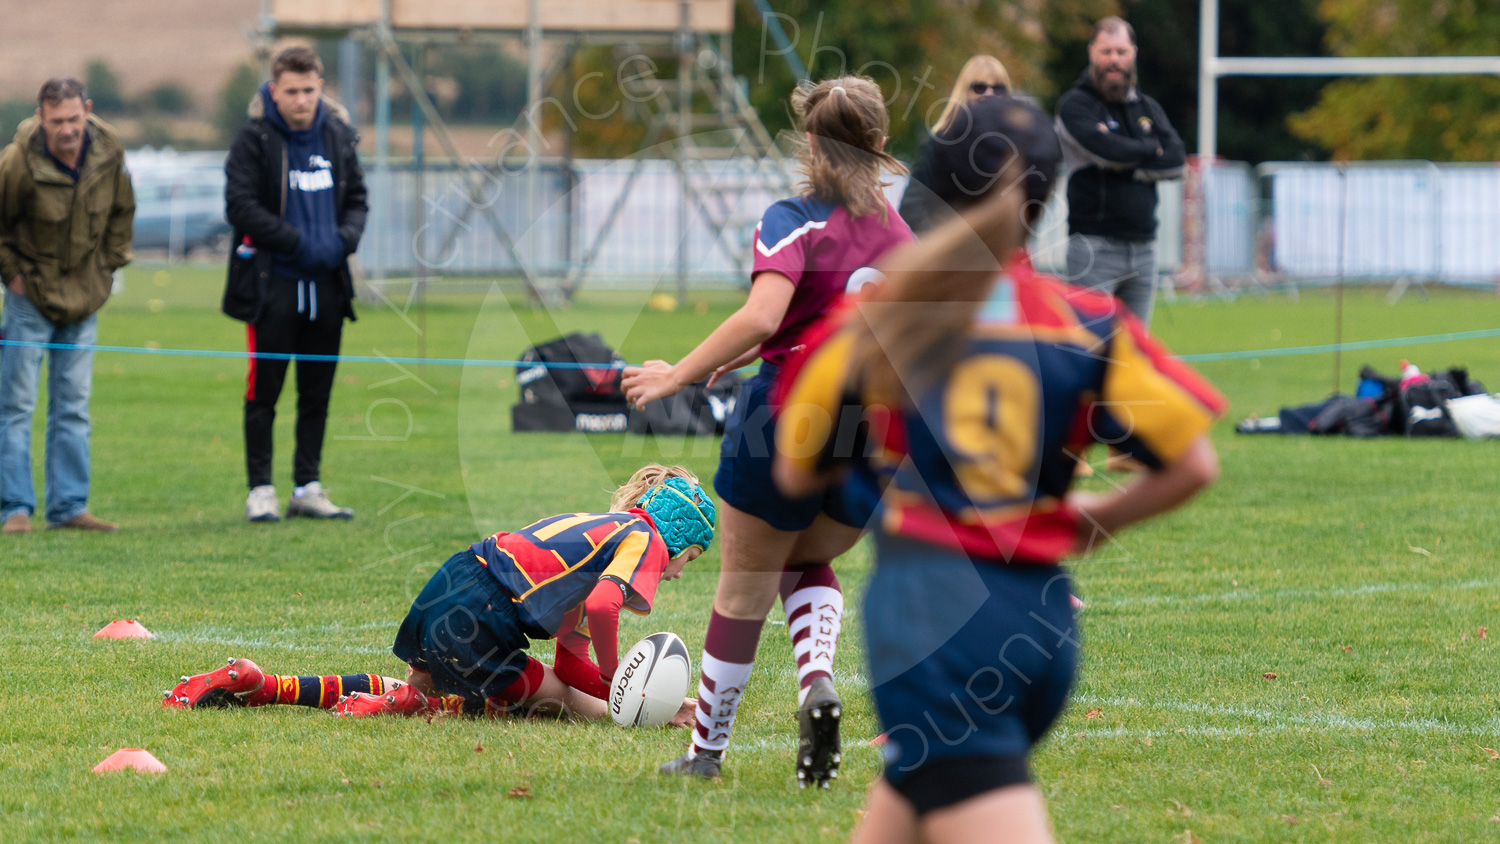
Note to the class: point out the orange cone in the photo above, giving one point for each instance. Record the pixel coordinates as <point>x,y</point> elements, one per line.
<point>131,758</point>
<point>124,629</point>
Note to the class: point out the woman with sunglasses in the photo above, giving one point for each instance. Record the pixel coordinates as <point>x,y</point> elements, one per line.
<point>981,76</point>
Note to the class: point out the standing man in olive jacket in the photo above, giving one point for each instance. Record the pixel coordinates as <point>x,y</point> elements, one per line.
<point>1118,144</point>
<point>66,211</point>
<point>296,198</point>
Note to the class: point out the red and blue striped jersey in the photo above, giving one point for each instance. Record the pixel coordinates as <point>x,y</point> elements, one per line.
<point>550,567</point>
<point>983,462</point>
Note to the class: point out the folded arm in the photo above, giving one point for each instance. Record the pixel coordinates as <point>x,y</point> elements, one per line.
<point>1172,159</point>
<point>1082,130</point>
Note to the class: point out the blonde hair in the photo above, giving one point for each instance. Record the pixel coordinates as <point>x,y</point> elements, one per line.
<point>912,331</point>
<point>980,68</point>
<point>646,477</point>
<point>847,116</point>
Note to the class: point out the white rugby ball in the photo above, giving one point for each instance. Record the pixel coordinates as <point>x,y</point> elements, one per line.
<point>651,682</point>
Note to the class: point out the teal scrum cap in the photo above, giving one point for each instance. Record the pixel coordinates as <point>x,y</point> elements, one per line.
<point>683,512</point>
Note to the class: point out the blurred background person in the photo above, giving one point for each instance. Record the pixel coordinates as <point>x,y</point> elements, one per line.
<point>981,76</point>
<point>66,210</point>
<point>295,195</point>
<point>1117,144</point>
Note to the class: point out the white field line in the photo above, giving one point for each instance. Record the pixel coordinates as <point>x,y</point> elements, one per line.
<point>1293,594</point>
<point>788,743</point>
<point>1267,721</point>
<point>229,640</point>
<point>1276,721</point>
<point>285,638</point>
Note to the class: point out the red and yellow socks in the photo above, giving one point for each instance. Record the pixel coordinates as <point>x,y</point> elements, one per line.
<point>321,691</point>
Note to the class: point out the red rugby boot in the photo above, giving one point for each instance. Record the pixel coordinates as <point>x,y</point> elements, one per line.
<point>228,686</point>
<point>403,699</point>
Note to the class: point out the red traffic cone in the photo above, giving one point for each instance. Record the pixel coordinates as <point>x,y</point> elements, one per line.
<point>877,741</point>
<point>124,629</point>
<point>131,758</point>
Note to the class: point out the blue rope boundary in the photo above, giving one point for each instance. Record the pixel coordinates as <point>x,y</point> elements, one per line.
<point>1352,346</point>
<point>1205,357</point>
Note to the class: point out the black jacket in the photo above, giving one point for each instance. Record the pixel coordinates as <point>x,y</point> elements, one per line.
<point>920,207</point>
<point>255,199</point>
<point>1112,174</point>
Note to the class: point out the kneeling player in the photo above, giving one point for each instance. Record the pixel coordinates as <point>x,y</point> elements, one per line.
<point>565,577</point>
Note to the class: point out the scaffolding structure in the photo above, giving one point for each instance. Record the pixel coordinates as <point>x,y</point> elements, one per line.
<point>718,145</point>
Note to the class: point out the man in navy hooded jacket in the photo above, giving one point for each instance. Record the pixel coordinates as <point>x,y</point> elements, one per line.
<point>296,198</point>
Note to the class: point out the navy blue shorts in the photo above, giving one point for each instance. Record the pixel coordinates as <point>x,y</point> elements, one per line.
<point>463,629</point>
<point>744,477</point>
<point>969,661</point>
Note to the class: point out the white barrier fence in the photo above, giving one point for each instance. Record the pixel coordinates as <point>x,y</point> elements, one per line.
<point>1292,221</point>
<point>1384,220</point>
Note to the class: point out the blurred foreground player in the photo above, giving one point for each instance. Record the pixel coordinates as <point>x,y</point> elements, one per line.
<point>960,386</point>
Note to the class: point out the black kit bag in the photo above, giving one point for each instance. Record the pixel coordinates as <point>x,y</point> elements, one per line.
<point>1425,411</point>
<point>1458,376</point>
<point>1347,415</point>
<point>581,395</point>
<point>696,410</point>
<point>596,380</point>
<point>1299,419</point>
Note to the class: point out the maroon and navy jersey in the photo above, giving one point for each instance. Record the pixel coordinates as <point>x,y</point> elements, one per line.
<point>983,462</point>
<point>550,567</point>
<point>822,249</point>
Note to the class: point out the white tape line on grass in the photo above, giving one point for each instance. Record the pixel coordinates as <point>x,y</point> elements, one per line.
<point>1295,594</point>
<point>230,640</point>
<point>788,744</point>
<point>1273,721</point>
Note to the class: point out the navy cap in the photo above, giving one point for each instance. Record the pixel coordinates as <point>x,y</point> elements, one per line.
<point>969,157</point>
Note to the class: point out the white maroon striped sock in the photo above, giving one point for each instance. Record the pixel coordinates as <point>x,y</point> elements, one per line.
<point>814,606</point>
<point>728,656</point>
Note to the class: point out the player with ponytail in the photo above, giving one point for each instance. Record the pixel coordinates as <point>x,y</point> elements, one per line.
<point>956,394</point>
<point>810,250</point>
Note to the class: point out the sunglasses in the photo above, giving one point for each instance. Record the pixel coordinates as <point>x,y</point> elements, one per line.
<point>979,89</point>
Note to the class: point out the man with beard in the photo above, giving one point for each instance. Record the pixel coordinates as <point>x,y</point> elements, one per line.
<point>1117,143</point>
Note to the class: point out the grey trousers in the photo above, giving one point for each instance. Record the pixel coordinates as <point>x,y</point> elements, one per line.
<point>1126,268</point>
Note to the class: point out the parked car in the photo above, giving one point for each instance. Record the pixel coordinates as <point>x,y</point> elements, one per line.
<point>179,201</point>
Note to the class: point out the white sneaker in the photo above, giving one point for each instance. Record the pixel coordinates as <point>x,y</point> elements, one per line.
<point>311,502</point>
<point>261,505</point>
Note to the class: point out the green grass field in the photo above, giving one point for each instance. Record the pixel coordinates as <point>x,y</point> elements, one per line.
<point>1361,574</point>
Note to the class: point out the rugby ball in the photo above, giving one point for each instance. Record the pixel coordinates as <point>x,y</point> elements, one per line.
<point>651,682</point>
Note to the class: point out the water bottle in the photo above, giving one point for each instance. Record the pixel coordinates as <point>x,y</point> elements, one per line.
<point>1410,375</point>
